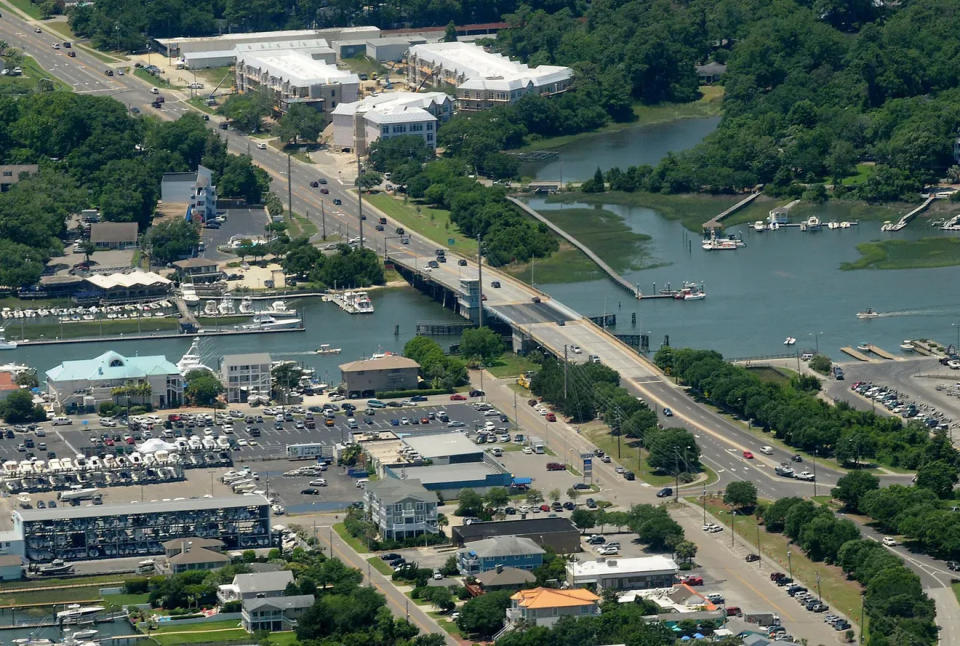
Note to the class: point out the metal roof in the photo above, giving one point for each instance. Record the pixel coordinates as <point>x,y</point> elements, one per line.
<point>113,232</point>
<point>282,603</point>
<point>446,473</point>
<point>390,362</point>
<point>441,444</point>
<point>503,546</point>
<point>390,491</point>
<point>198,555</point>
<point>155,507</point>
<point>250,358</point>
<point>475,531</point>
<point>262,581</point>
<point>110,366</point>
<point>621,566</point>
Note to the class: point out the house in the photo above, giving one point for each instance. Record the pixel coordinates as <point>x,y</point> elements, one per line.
<point>545,606</point>
<point>244,375</point>
<point>499,551</point>
<point>197,270</point>
<point>559,534</point>
<point>114,235</point>
<point>89,382</point>
<point>11,567</point>
<point>711,72</point>
<point>197,558</point>
<point>624,574</point>
<point>194,193</point>
<point>504,578</point>
<point>10,174</point>
<point>8,385</point>
<point>260,585</point>
<point>380,116</point>
<point>178,545</point>
<point>367,377</point>
<point>400,508</point>
<point>274,613</point>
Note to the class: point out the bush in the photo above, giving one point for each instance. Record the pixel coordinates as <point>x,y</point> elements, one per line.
<point>107,409</point>
<point>398,394</point>
<point>138,585</point>
<point>232,606</point>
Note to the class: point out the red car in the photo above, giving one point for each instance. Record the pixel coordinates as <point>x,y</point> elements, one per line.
<point>551,417</point>
<point>130,440</point>
<point>544,507</point>
<point>108,441</point>
<point>692,580</point>
<point>748,455</point>
<point>458,398</point>
<point>555,466</point>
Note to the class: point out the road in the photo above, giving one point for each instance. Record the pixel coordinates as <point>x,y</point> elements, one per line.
<point>720,438</point>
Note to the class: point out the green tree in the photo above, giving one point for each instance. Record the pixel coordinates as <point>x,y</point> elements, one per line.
<point>247,110</point>
<point>820,363</point>
<point>584,519</point>
<point>686,551</point>
<point>202,388</point>
<point>301,258</point>
<point>852,487</point>
<point>672,450</point>
<point>88,248</point>
<point>285,377</point>
<point>639,423</point>
<point>171,240</point>
<point>484,615</point>
<point>654,526</point>
<point>740,494</point>
<point>497,497</point>
<point>450,33</point>
<point>938,476</point>
<point>481,344</point>
<point>470,503</point>
<point>369,179</point>
<point>300,121</point>
<point>18,408</point>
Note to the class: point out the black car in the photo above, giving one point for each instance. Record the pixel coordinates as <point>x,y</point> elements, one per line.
<point>752,558</point>
<point>495,284</point>
<point>797,458</point>
<point>379,227</point>
<point>314,184</point>
<point>666,492</point>
<point>477,393</point>
<point>569,506</point>
<point>390,556</point>
<point>591,503</point>
<point>510,511</point>
<point>629,475</point>
<point>310,492</point>
<point>337,201</point>
<point>953,566</point>
<point>581,485</point>
<point>462,262</point>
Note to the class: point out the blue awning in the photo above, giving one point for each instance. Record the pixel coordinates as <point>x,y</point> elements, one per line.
<point>522,481</point>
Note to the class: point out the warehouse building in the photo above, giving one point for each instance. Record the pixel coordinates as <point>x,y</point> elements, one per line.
<point>483,79</point>
<point>449,479</point>
<point>295,77</point>
<point>558,534</point>
<point>133,529</point>
<point>381,116</point>
<point>444,448</point>
<point>624,574</point>
<point>367,377</point>
<point>89,382</point>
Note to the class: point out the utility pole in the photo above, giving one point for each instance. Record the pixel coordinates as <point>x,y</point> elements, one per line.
<point>289,187</point>
<point>759,560</point>
<point>480,279</point>
<point>676,467</point>
<point>323,220</point>
<point>359,199</point>
<point>814,472</point>
<point>565,372</point>
<point>704,505</point>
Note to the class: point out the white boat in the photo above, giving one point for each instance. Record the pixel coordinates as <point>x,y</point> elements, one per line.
<point>191,359</point>
<point>690,292</point>
<point>6,345</point>
<point>210,308</point>
<point>789,341</point>
<point>715,244</point>
<point>907,346</point>
<point>867,314</point>
<point>759,226</point>
<point>279,310</point>
<point>863,347</point>
<point>326,349</point>
<point>226,308</point>
<point>246,305</point>
<point>278,509</point>
<point>75,611</point>
<point>266,322</point>
<point>84,634</point>
<point>813,223</point>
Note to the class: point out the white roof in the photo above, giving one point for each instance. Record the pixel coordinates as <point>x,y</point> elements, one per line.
<point>129,279</point>
<point>486,70</point>
<point>608,566</point>
<point>441,445</point>
<point>248,36</point>
<point>304,44</point>
<point>401,115</point>
<point>392,101</point>
<point>300,70</point>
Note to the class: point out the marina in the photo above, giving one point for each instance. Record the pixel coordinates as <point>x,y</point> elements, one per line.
<point>351,302</point>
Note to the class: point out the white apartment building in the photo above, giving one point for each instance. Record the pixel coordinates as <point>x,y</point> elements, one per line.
<point>483,79</point>
<point>401,508</point>
<point>360,123</point>
<point>293,76</point>
<point>244,375</point>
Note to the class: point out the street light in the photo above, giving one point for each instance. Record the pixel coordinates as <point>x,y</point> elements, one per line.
<point>789,564</point>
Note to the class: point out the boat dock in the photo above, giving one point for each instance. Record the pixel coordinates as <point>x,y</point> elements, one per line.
<point>859,356</point>
<point>902,222</point>
<point>607,269</point>
<point>149,337</point>
<point>880,352</point>
<point>442,328</point>
<point>185,314</point>
<point>714,222</point>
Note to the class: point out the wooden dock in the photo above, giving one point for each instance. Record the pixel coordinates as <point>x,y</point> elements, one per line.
<point>149,337</point>
<point>714,222</point>
<point>880,352</point>
<point>859,356</point>
<point>903,221</point>
<point>617,278</point>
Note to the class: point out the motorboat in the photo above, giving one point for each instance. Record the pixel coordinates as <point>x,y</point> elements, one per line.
<point>789,341</point>
<point>210,308</point>
<point>87,633</point>
<point>690,292</point>
<point>4,344</point>
<point>813,223</point>
<point>56,567</point>
<point>863,347</point>
<point>759,226</point>
<point>278,509</point>
<point>719,244</point>
<point>867,314</point>
<point>226,308</point>
<point>326,349</point>
<point>191,359</point>
<point>246,305</point>
<point>279,310</point>
<point>907,346</point>
<point>75,611</point>
<point>266,322</point>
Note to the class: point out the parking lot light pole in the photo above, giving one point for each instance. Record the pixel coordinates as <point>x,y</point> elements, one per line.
<point>704,505</point>
<point>789,564</point>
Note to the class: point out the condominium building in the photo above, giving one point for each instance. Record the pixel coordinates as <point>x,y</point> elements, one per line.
<point>89,382</point>
<point>401,508</point>
<point>133,529</point>
<point>244,375</point>
<point>482,79</point>
<point>381,116</point>
<point>292,76</point>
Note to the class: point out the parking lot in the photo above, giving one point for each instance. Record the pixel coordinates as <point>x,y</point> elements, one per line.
<point>242,222</point>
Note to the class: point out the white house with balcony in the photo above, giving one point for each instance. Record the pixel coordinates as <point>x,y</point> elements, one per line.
<point>381,116</point>
<point>274,613</point>
<point>258,585</point>
<point>545,606</point>
<point>401,508</point>
<point>292,76</point>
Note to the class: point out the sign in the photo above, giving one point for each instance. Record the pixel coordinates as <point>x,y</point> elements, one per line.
<point>588,466</point>
<point>451,241</point>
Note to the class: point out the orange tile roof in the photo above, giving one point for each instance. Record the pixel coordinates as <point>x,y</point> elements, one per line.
<point>7,382</point>
<point>550,598</point>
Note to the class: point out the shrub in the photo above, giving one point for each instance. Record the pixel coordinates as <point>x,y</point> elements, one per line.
<point>397,394</point>
<point>138,585</point>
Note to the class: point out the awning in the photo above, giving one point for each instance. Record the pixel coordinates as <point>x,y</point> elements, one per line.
<point>522,481</point>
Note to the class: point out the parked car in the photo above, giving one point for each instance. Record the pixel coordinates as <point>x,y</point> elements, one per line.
<point>692,580</point>
<point>666,492</point>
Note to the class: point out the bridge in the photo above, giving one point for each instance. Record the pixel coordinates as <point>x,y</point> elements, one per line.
<point>714,222</point>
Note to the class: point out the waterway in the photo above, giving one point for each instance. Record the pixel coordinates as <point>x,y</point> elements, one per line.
<point>396,309</point>
<point>783,283</point>
<point>54,633</point>
<point>579,159</point>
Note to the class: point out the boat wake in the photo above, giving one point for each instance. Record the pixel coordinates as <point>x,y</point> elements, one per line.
<point>928,312</point>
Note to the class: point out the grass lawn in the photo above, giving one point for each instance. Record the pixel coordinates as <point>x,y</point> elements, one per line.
<point>31,79</point>
<point>28,8</point>
<point>354,543</point>
<point>62,27</point>
<point>956,590</point>
<point>13,303</point>
<point>298,225</point>
<point>175,627</point>
<point>708,105</point>
<point>157,81</point>
<point>380,565</point>
<point>771,374</point>
<point>837,591</point>
<point>364,65</point>
<point>429,222</point>
<point>692,209</point>
<point>448,626</point>
<point>108,580</point>
<point>864,171</point>
<point>83,329</point>
<point>56,595</point>
<point>211,76</point>
<point>512,365</point>
<point>127,599</point>
<point>200,104</point>
<point>907,254</point>
<point>32,70</point>
<point>630,453</point>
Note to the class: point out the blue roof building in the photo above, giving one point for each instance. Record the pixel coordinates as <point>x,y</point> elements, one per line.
<point>88,382</point>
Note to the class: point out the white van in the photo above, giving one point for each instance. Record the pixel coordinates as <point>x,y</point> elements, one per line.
<point>362,483</point>
<point>61,421</point>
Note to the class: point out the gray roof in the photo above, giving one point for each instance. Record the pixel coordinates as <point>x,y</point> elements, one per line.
<point>711,69</point>
<point>504,546</point>
<point>506,576</point>
<point>245,359</point>
<point>179,177</point>
<point>124,509</point>
<point>193,542</point>
<point>448,473</point>
<point>283,603</point>
<point>113,232</point>
<point>198,555</point>
<point>391,362</point>
<point>186,263</point>
<point>392,490</point>
<point>434,445</point>
<point>263,581</point>
<point>476,531</point>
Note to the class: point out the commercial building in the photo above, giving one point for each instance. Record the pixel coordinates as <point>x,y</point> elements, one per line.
<point>483,79</point>
<point>133,529</point>
<point>89,382</point>
<point>197,270</point>
<point>295,77</point>
<point>624,574</point>
<point>316,48</point>
<point>114,235</point>
<point>401,508</point>
<point>255,585</point>
<point>244,375</point>
<point>367,377</point>
<point>444,448</point>
<point>559,534</point>
<point>128,286</point>
<point>274,613</point>
<point>359,124</point>
<point>180,545</point>
<point>449,479</point>
<point>545,606</point>
<point>10,174</point>
<point>11,567</point>
<point>194,194</point>
<point>499,551</point>
<point>391,48</point>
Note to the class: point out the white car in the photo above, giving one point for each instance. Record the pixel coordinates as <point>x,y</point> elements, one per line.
<point>253,443</point>
<point>608,550</point>
<point>261,146</point>
<point>766,450</point>
<point>890,541</point>
<point>527,450</point>
<point>319,482</point>
<point>805,475</point>
<point>576,349</point>
<point>242,442</point>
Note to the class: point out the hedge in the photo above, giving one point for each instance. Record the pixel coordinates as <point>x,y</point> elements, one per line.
<point>394,394</point>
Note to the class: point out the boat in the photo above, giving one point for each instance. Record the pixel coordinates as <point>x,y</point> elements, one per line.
<point>719,244</point>
<point>867,314</point>
<point>84,634</point>
<point>57,566</point>
<point>352,302</point>
<point>813,223</point>
<point>4,344</point>
<point>789,341</point>
<point>266,322</point>
<point>833,225</point>
<point>226,308</point>
<point>278,509</point>
<point>907,346</point>
<point>690,292</point>
<point>210,308</point>
<point>863,347</point>
<point>246,305</point>
<point>759,226</point>
<point>75,611</point>
<point>191,359</point>
<point>33,641</point>
<point>326,349</point>
<point>279,310</point>
<point>24,501</point>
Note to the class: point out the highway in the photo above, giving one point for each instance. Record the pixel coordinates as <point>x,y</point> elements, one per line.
<point>722,440</point>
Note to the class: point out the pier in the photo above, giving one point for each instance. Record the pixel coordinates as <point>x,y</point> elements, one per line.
<point>902,222</point>
<point>859,356</point>
<point>880,352</point>
<point>714,222</point>
<point>148,337</point>
<point>617,278</point>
